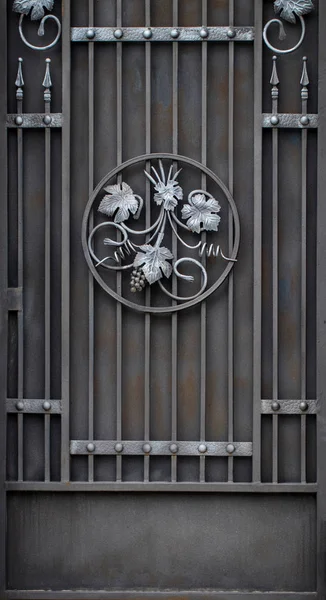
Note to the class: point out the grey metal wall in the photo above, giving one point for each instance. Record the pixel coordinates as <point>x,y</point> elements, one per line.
<point>144,522</point>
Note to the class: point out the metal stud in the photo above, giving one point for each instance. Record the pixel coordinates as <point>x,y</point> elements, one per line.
<point>175,33</point>
<point>147,448</point>
<point>203,32</point>
<point>19,120</point>
<point>147,33</point>
<point>47,120</point>
<point>118,33</point>
<point>174,448</point>
<point>118,447</point>
<point>275,120</point>
<point>46,405</point>
<point>276,406</point>
<point>90,447</point>
<point>202,448</point>
<point>231,33</point>
<point>90,34</point>
<point>20,405</point>
<point>230,448</point>
<point>305,120</point>
<point>303,406</point>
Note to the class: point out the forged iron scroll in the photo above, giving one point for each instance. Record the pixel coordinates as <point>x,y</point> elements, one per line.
<point>288,10</point>
<point>36,10</point>
<point>151,261</point>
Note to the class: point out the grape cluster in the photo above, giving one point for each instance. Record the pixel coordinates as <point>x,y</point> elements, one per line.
<point>137,280</point>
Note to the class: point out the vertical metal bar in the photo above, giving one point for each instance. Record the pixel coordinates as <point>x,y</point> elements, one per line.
<point>304,150</point>
<point>47,268</point>
<point>148,221</point>
<point>321,311</point>
<point>256,460</point>
<point>174,326</point>
<point>274,82</point>
<point>91,224</point>
<point>3,289</point>
<point>231,282</point>
<point>20,317</point>
<point>65,245</point>
<point>203,311</point>
<point>119,276</point>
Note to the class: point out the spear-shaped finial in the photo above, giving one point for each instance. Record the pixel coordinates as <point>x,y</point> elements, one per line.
<point>19,83</point>
<point>274,80</point>
<point>47,82</point>
<point>304,82</point>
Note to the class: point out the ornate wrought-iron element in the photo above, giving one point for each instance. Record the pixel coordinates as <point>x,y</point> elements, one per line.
<point>288,10</point>
<point>36,10</point>
<point>152,261</point>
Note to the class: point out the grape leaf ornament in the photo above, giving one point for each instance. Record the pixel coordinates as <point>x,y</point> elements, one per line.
<point>201,211</point>
<point>121,201</point>
<point>153,260</point>
<point>36,7</point>
<point>289,9</point>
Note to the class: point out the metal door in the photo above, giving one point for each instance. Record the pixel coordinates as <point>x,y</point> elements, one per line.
<point>163,344</point>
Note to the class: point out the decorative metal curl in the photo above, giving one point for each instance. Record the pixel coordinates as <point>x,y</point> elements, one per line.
<point>109,242</point>
<point>282,35</point>
<point>186,278</point>
<point>211,250</point>
<point>40,32</point>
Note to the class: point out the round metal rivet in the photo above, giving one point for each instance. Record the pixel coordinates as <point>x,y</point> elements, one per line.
<point>90,447</point>
<point>303,406</point>
<point>118,34</point>
<point>147,448</point>
<point>118,447</point>
<point>203,32</point>
<point>174,448</point>
<point>202,448</point>
<point>275,120</point>
<point>46,405</point>
<point>275,406</point>
<point>304,120</point>
<point>231,33</point>
<point>47,120</point>
<point>19,120</point>
<point>90,34</point>
<point>147,33</point>
<point>175,33</point>
<point>20,405</point>
<point>230,448</point>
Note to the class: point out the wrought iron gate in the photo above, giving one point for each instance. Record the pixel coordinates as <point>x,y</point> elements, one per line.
<point>162,265</point>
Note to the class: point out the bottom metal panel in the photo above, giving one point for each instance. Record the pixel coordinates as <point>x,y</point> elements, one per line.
<point>167,595</point>
<point>156,542</point>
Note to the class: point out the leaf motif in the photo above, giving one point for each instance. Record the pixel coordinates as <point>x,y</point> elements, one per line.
<point>290,8</point>
<point>153,260</point>
<point>120,198</point>
<point>36,6</point>
<point>199,210</point>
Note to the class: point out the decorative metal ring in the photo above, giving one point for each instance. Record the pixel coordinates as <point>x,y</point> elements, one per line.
<point>85,234</point>
<point>40,32</point>
<point>281,27</point>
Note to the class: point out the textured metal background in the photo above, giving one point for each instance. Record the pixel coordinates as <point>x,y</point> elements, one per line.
<point>251,519</point>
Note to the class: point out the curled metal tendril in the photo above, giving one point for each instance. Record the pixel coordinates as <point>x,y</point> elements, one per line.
<point>282,35</point>
<point>41,32</point>
<point>190,278</point>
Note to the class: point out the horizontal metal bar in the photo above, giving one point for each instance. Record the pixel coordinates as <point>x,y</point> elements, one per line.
<point>160,448</point>
<point>289,407</point>
<point>34,120</point>
<point>131,486</point>
<point>13,405</point>
<point>15,299</point>
<point>153,595</point>
<point>290,121</point>
<point>162,34</point>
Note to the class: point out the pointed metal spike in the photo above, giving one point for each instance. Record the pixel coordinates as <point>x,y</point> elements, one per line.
<point>19,79</point>
<point>156,173</point>
<point>176,175</point>
<point>162,171</point>
<point>47,83</point>
<point>304,77</point>
<point>150,178</point>
<point>274,78</point>
<point>170,173</point>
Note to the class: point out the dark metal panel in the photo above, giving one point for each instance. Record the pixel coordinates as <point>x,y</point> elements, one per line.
<point>192,594</point>
<point>160,534</point>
